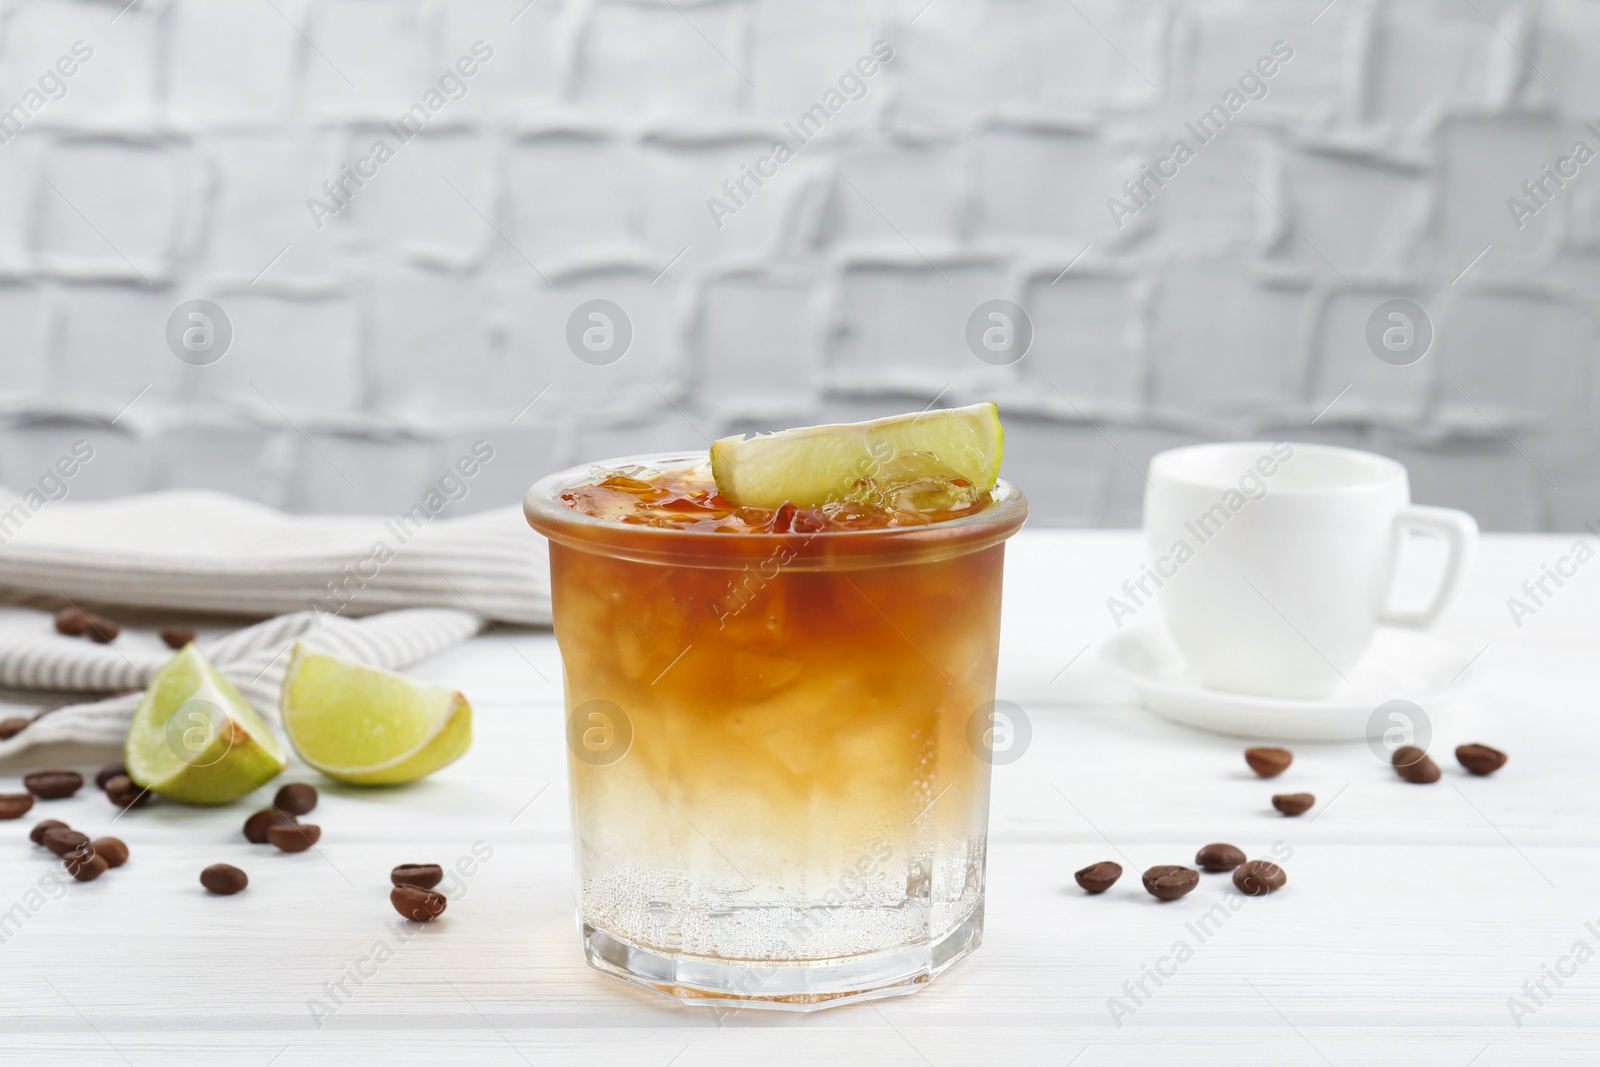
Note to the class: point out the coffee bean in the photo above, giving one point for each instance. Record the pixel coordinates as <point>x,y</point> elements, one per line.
<point>1170,882</point>
<point>110,849</point>
<point>103,631</point>
<point>1480,759</point>
<point>256,826</point>
<point>121,791</point>
<point>1268,762</point>
<point>176,637</point>
<point>294,837</point>
<point>296,798</point>
<point>53,785</point>
<point>62,840</point>
<point>416,903</point>
<point>1219,857</point>
<point>134,798</point>
<point>36,835</point>
<point>1413,764</point>
<point>84,863</point>
<point>428,875</point>
<point>224,879</point>
<point>1293,803</point>
<point>1258,878</point>
<point>15,805</point>
<point>11,727</point>
<point>1098,877</point>
<point>72,622</point>
<point>110,771</point>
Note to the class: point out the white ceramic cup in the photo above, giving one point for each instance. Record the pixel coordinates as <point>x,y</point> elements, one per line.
<point>1274,563</point>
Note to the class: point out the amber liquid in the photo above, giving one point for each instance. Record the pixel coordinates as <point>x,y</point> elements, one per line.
<point>799,780</point>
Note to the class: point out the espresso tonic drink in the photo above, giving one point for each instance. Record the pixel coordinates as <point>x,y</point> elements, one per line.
<point>777,721</point>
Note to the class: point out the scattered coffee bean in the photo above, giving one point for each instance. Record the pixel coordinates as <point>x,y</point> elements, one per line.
<point>108,772</point>
<point>176,637</point>
<point>63,839</point>
<point>53,785</point>
<point>1098,877</point>
<point>103,631</point>
<point>224,879</point>
<point>1170,882</point>
<point>11,727</point>
<point>121,791</point>
<point>1480,759</point>
<point>1293,803</point>
<point>15,805</point>
<point>428,875</point>
<point>296,798</point>
<point>72,622</point>
<point>294,837</point>
<point>257,825</point>
<point>36,835</point>
<point>1219,857</point>
<point>1258,878</point>
<point>416,903</point>
<point>1268,762</point>
<point>134,798</point>
<point>84,863</point>
<point>1413,764</point>
<point>110,849</point>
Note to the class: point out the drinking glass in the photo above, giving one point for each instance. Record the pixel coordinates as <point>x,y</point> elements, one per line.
<point>778,746</point>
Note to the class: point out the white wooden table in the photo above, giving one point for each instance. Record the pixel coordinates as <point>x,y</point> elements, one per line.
<point>1412,913</point>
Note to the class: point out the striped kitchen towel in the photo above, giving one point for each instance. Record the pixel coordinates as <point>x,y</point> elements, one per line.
<point>210,552</point>
<point>34,657</point>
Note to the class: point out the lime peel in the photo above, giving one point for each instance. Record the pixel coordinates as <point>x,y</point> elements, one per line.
<point>195,739</point>
<point>369,726</point>
<point>815,465</point>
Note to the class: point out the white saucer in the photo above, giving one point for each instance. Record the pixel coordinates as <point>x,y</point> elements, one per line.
<point>1401,664</point>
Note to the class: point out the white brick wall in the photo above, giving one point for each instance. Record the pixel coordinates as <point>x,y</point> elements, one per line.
<point>976,164</point>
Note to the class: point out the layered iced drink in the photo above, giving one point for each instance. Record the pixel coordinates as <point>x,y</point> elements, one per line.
<point>777,720</point>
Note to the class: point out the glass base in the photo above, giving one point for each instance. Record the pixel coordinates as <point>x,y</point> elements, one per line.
<point>808,985</point>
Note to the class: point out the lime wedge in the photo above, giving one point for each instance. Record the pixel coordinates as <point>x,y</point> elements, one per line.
<point>816,465</point>
<point>194,739</point>
<point>368,726</point>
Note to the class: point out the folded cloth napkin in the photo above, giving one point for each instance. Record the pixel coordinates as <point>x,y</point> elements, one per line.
<point>253,659</point>
<point>203,551</point>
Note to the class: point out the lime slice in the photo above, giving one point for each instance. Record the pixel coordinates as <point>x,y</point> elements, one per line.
<point>194,739</point>
<point>816,465</point>
<point>368,726</point>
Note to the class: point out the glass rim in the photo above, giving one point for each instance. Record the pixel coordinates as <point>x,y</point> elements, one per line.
<point>547,514</point>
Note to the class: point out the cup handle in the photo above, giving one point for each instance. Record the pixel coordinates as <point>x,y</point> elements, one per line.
<point>1459,531</point>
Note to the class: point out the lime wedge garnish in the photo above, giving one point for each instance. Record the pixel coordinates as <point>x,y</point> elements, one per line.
<point>194,739</point>
<point>368,726</point>
<point>864,461</point>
